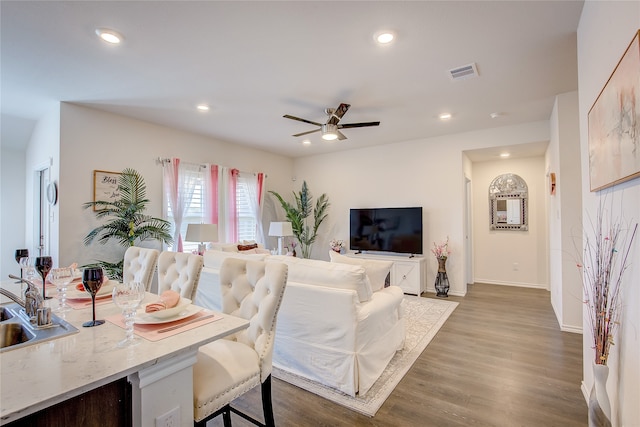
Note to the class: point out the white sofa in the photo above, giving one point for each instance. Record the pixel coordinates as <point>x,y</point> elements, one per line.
<point>338,325</point>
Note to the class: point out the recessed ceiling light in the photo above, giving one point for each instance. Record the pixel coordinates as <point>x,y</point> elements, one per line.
<point>203,107</point>
<point>384,37</point>
<point>110,36</point>
<point>495,115</point>
<point>504,155</point>
<point>444,116</point>
<point>306,142</point>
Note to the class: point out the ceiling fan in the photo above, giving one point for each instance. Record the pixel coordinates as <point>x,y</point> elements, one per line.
<point>330,129</point>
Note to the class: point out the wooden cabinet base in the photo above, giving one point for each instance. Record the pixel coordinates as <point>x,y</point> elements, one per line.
<point>106,406</point>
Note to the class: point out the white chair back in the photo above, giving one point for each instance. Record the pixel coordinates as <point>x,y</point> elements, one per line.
<point>179,272</point>
<point>139,265</point>
<point>228,368</point>
<point>253,290</point>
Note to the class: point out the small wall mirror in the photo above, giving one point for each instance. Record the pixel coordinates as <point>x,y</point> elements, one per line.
<point>508,203</point>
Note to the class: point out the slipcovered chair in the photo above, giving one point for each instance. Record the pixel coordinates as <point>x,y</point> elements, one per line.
<point>179,272</point>
<point>139,265</point>
<point>229,367</point>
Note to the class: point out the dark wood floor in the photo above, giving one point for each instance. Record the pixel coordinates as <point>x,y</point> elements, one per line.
<point>499,360</point>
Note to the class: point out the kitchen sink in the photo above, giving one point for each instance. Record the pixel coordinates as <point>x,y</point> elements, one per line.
<point>17,332</point>
<point>13,334</point>
<point>5,314</point>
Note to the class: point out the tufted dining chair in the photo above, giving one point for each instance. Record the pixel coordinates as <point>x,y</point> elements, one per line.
<point>229,367</point>
<point>179,272</point>
<point>139,265</point>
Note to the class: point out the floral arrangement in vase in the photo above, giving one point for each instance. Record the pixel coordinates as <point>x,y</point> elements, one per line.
<point>604,261</point>
<point>336,245</point>
<point>441,250</point>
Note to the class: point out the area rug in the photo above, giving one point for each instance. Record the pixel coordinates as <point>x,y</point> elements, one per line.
<point>424,317</point>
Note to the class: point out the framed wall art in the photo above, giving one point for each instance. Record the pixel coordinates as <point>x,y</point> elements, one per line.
<point>105,186</point>
<point>614,124</point>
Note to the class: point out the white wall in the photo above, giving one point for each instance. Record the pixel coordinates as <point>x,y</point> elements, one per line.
<point>509,257</point>
<point>426,172</point>
<point>12,202</point>
<point>42,152</point>
<point>604,32</point>
<point>564,212</point>
<point>92,139</point>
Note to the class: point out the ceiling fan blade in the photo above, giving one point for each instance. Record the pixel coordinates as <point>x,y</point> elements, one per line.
<point>304,133</point>
<point>358,125</point>
<point>341,136</point>
<point>337,115</point>
<point>286,116</point>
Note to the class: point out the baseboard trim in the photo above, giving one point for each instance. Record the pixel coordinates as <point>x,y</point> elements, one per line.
<point>585,392</point>
<point>516,284</point>
<point>572,329</point>
<point>454,293</point>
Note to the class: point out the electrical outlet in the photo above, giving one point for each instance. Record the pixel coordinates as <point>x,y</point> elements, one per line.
<point>516,266</point>
<point>169,419</point>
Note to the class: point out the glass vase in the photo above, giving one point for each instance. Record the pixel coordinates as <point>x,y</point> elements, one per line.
<point>442,281</point>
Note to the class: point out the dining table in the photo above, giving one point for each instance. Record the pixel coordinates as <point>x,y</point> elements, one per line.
<point>158,368</point>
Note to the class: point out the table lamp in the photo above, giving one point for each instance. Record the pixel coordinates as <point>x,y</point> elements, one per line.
<point>201,233</point>
<point>280,230</point>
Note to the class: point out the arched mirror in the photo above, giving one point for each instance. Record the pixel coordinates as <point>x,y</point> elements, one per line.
<point>508,203</point>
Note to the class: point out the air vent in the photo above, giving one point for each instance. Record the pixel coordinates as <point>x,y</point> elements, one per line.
<point>464,72</point>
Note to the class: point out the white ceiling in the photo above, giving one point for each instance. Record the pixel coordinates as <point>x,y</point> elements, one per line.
<point>253,62</point>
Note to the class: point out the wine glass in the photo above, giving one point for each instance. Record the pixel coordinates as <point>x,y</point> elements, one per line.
<point>43,265</point>
<point>61,277</point>
<point>21,253</point>
<point>92,281</point>
<point>128,297</point>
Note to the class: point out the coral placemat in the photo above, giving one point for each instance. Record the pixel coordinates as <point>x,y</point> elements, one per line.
<point>157,332</point>
<point>78,304</point>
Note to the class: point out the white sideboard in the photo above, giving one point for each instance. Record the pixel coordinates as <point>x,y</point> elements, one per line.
<point>410,273</point>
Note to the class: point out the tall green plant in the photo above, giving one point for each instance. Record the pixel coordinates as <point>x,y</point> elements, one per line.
<point>127,222</point>
<point>297,214</point>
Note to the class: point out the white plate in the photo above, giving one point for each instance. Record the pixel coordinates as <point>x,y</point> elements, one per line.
<point>105,290</point>
<point>171,312</point>
<point>143,318</point>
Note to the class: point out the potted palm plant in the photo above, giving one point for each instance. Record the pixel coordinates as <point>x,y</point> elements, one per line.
<point>127,224</point>
<point>298,213</point>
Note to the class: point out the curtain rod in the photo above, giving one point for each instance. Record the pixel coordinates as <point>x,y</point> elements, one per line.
<point>165,160</point>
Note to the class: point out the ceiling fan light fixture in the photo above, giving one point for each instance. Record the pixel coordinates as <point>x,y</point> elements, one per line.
<point>329,132</point>
<point>109,36</point>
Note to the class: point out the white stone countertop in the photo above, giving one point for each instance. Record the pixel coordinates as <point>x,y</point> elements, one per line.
<point>40,375</point>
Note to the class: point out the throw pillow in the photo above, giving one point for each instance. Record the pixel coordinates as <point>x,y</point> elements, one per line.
<point>247,247</point>
<point>378,271</point>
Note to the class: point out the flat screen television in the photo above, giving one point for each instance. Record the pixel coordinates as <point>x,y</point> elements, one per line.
<point>397,230</point>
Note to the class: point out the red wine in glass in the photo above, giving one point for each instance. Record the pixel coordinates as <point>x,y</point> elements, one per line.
<point>43,265</point>
<point>21,253</point>
<point>92,281</point>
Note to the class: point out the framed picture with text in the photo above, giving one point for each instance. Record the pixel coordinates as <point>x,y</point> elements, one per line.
<point>105,186</point>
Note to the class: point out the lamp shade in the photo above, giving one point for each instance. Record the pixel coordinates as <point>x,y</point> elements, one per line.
<point>280,229</point>
<point>201,233</point>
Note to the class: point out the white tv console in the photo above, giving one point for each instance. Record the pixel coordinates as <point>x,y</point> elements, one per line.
<point>409,273</point>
